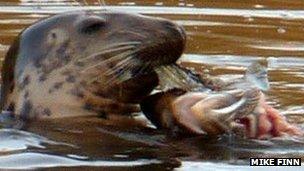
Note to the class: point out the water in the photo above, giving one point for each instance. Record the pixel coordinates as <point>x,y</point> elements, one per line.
<point>223,37</point>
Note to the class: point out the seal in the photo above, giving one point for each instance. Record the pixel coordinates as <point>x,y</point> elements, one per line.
<point>87,63</point>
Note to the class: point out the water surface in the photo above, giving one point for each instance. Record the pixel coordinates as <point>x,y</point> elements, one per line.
<point>223,37</point>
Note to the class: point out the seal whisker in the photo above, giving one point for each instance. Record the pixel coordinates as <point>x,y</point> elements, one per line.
<point>117,79</point>
<point>118,57</point>
<point>118,66</point>
<point>106,51</point>
<point>142,69</point>
<point>126,54</point>
<point>121,67</point>
<point>109,60</point>
<point>122,72</point>
<point>125,43</point>
<point>112,47</point>
<point>118,71</point>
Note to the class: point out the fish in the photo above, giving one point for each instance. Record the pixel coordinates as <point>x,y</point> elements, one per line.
<point>195,104</point>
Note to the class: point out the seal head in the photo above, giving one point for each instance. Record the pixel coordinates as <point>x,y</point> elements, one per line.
<point>86,62</point>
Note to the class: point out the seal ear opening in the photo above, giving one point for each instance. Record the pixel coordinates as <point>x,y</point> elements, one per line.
<point>91,24</point>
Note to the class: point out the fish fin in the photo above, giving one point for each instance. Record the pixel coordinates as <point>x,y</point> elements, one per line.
<point>258,76</point>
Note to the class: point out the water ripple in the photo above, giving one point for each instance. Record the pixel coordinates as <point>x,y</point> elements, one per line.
<point>16,140</point>
<point>285,14</point>
<point>244,61</point>
<point>26,161</point>
<point>211,166</point>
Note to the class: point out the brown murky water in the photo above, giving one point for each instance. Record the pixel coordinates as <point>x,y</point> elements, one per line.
<point>223,36</point>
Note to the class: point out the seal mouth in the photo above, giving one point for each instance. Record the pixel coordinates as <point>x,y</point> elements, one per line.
<point>166,50</point>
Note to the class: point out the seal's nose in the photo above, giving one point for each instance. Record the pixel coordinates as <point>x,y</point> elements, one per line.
<point>174,26</point>
<point>176,37</point>
<point>164,43</point>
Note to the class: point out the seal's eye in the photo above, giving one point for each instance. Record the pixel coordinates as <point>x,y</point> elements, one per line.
<point>92,24</point>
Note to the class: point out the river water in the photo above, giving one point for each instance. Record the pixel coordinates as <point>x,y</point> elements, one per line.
<point>223,36</point>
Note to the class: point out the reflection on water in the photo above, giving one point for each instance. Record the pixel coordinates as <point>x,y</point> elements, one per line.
<point>223,37</point>
<point>38,160</point>
<point>17,140</point>
<point>208,166</point>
